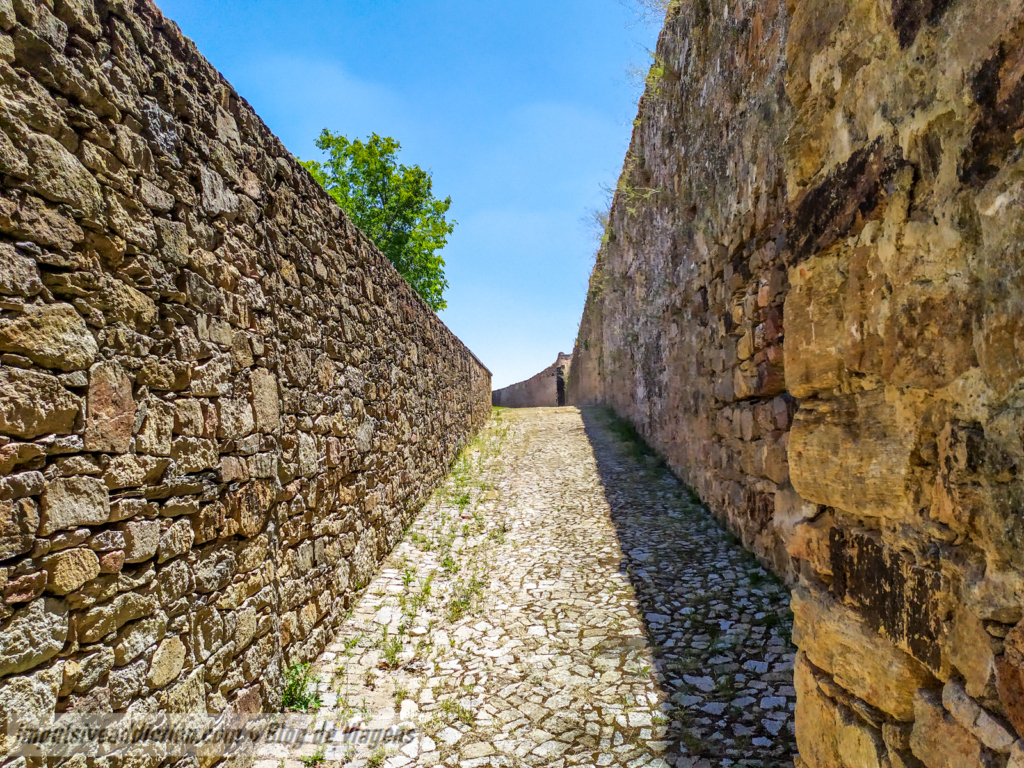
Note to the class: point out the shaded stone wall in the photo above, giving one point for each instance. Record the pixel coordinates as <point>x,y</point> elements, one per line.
<point>810,302</point>
<point>219,403</point>
<point>546,389</point>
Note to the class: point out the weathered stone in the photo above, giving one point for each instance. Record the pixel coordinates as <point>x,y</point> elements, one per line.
<point>155,436</point>
<point>265,402</point>
<point>137,637</point>
<point>212,379</point>
<point>33,404</point>
<point>19,275</point>
<point>938,741</point>
<point>99,621</point>
<point>141,539</point>
<point>32,635</point>
<point>110,409</point>
<point>861,661</point>
<point>52,335</point>
<point>112,562</point>
<point>194,454</point>
<point>24,588</point>
<point>167,662</point>
<point>235,417</point>
<point>176,540</point>
<point>19,522</point>
<point>69,569</point>
<point>72,501</point>
<point>28,696</point>
<point>870,475</point>
<point>58,176</point>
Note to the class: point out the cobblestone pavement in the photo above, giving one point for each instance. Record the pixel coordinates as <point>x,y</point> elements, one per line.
<point>563,601</point>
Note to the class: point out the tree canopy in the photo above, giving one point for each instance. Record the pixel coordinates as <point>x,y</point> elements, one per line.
<point>393,204</point>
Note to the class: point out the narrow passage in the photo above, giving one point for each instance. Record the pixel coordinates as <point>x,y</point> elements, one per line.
<point>562,601</point>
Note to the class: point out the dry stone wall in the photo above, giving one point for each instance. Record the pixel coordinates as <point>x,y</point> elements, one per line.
<point>810,302</point>
<point>546,389</point>
<point>219,404</point>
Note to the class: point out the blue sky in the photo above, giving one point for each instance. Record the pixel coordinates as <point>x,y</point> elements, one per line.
<point>521,109</point>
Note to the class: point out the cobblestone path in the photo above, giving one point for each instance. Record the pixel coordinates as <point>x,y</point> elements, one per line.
<point>562,601</point>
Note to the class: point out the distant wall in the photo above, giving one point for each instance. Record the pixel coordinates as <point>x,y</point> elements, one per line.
<point>810,302</point>
<point>219,403</point>
<point>545,390</point>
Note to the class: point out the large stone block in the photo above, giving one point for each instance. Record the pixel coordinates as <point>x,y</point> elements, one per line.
<point>854,453</point>
<point>904,601</point>
<point>837,641</point>
<point>32,635</point>
<point>51,335</point>
<point>70,569</point>
<point>815,332</point>
<point>34,404</point>
<point>110,410</point>
<point>71,501</point>
<point>939,742</point>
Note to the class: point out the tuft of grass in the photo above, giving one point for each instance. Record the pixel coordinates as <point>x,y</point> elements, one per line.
<point>392,648</point>
<point>300,694</point>
<point>458,711</point>
<point>317,758</point>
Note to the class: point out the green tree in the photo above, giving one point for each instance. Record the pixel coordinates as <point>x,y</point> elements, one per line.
<point>392,203</point>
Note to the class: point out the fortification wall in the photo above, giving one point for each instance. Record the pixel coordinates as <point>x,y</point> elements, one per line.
<point>545,390</point>
<point>219,404</point>
<point>810,302</point>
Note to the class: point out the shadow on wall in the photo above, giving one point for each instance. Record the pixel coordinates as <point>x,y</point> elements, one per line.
<point>717,624</point>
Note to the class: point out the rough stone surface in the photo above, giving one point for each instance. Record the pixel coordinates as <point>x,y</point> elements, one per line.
<point>220,405</point>
<point>808,300</point>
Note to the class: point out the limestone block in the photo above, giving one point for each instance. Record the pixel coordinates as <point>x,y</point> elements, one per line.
<point>92,668</point>
<point>155,436</point>
<point>60,177</point>
<point>929,336</point>
<point>131,470</point>
<point>127,682</point>
<point>939,742</point>
<point>166,663</point>
<point>970,649</point>
<point>194,454</point>
<point>188,696</point>
<point>70,569</point>
<point>141,539</point>
<point>34,404</point>
<point>33,695</point>
<point>235,417</point>
<point>71,501</point>
<point>212,379</point>
<point>24,588</point>
<point>852,453</point>
<point>858,658</point>
<point>858,744</point>
<point>103,619</point>
<point>815,716</point>
<point>188,417</point>
<point>972,718</point>
<point>814,327</point>
<point>110,410</point>
<point>137,637</point>
<point>265,400</point>
<point>176,540</point>
<point>250,506</point>
<point>19,275</point>
<point>32,635</point>
<point>51,335</point>
<point>19,521</point>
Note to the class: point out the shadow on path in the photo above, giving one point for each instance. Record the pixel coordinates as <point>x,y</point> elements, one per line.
<point>717,623</point>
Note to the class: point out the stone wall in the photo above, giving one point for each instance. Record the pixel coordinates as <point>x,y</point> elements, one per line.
<point>545,390</point>
<point>219,404</point>
<point>810,302</point>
